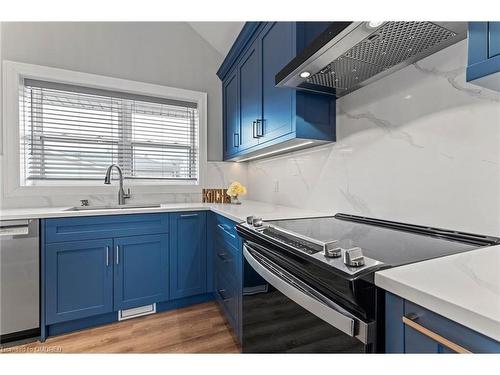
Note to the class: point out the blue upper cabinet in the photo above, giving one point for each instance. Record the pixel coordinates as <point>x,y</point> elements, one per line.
<point>277,103</point>
<point>78,279</point>
<point>483,66</point>
<point>270,119</point>
<point>188,254</point>
<point>140,270</point>
<point>250,95</point>
<point>232,131</point>
<point>494,39</point>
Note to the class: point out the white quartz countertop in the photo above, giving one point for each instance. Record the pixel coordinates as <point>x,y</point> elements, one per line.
<point>463,287</point>
<point>234,212</point>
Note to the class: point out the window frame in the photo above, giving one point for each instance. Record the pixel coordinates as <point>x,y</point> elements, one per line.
<point>14,74</point>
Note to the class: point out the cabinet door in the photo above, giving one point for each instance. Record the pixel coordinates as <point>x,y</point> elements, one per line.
<point>232,131</point>
<point>494,39</point>
<point>141,270</point>
<point>79,279</point>
<point>188,255</point>
<point>277,49</point>
<point>250,95</point>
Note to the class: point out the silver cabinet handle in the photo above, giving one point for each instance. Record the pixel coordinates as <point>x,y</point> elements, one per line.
<point>225,230</point>
<point>117,254</point>
<point>107,256</point>
<point>407,320</point>
<point>330,313</point>
<point>236,140</point>
<point>259,128</point>
<point>188,215</point>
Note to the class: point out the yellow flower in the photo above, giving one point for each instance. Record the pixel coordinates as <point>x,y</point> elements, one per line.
<point>236,189</point>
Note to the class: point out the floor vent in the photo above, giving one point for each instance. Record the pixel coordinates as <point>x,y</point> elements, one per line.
<point>136,312</point>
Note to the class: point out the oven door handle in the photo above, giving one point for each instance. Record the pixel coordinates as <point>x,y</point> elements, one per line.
<point>350,325</point>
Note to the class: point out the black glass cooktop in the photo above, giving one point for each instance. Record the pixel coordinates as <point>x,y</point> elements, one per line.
<point>387,242</point>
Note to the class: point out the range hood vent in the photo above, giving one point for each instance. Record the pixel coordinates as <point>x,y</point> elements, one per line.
<point>345,58</point>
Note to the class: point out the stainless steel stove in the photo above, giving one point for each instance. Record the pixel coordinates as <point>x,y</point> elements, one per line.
<point>322,270</point>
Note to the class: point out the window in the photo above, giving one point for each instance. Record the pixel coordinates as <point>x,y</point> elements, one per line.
<point>71,132</point>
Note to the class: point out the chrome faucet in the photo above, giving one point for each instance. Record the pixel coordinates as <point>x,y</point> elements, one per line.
<point>121,193</point>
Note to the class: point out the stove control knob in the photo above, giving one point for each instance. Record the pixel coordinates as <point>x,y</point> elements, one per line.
<point>250,220</point>
<point>354,257</point>
<point>257,222</point>
<point>331,250</point>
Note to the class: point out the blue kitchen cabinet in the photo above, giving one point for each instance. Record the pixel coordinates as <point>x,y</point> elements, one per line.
<point>410,328</point>
<point>94,266</point>
<point>272,117</point>
<point>277,103</point>
<point>188,254</point>
<point>140,270</point>
<point>78,279</point>
<point>483,65</point>
<point>228,274</point>
<point>250,86</point>
<point>494,39</point>
<point>232,130</point>
<point>93,227</point>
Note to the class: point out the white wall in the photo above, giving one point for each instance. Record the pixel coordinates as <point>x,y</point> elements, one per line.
<point>419,146</point>
<point>164,53</point>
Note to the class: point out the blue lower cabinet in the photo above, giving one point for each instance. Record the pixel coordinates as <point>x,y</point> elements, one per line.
<point>188,254</point>
<point>227,266</point>
<point>140,270</point>
<point>226,295</point>
<point>410,328</point>
<point>78,279</point>
<point>86,281</point>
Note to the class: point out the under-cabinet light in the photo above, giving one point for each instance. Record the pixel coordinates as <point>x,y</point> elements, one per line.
<point>374,24</point>
<point>276,151</point>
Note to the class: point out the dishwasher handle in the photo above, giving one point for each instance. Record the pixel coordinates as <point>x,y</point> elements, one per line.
<point>14,228</point>
<point>301,294</point>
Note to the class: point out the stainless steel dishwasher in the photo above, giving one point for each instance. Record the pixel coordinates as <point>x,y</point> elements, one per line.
<point>19,280</point>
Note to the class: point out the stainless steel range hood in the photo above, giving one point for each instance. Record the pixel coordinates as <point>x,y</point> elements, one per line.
<point>350,55</point>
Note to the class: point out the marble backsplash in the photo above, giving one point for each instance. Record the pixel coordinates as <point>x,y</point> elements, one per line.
<point>421,146</point>
<point>218,175</point>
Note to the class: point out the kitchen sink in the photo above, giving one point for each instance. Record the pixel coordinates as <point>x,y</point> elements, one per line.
<point>112,207</point>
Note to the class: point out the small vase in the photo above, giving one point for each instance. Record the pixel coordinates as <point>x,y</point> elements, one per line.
<point>235,200</point>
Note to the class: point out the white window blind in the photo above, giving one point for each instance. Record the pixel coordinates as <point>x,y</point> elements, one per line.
<point>74,133</point>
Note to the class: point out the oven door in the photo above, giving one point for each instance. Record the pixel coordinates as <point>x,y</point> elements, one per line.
<point>282,314</point>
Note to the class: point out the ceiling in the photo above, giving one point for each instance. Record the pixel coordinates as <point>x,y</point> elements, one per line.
<point>220,35</point>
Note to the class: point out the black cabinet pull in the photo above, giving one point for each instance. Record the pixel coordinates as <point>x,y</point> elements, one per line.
<point>224,257</point>
<point>222,295</point>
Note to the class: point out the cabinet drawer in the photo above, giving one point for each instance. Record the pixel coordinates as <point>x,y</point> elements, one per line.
<point>227,259</point>
<point>225,230</point>
<point>422,337</point>
<point>92,227</point>
<point>226,294</point>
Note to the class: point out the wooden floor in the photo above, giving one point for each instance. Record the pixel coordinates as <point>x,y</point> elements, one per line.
<point>195,329</point>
